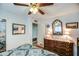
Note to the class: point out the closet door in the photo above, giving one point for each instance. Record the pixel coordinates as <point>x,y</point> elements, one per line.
<point>2,35</point>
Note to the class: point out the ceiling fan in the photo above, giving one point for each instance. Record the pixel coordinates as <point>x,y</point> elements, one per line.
<point>34,7</point>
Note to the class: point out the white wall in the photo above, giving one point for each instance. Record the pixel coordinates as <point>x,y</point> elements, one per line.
<point>65,18</point>
<point>13,41</point>
<point>41,32</point>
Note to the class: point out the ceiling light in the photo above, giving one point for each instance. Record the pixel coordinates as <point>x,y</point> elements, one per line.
<point>34,8</point>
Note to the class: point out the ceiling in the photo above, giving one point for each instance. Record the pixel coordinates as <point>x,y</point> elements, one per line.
<point>57,9</point>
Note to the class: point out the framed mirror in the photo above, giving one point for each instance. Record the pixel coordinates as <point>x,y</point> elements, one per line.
<point>57,27</point>
<point>2,35</point>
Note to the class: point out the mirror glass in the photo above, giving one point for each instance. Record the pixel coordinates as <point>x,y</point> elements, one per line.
<point>2,35</point>
<point>57,27</point>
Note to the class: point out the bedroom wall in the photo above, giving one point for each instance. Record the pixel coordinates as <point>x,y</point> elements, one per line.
<point>70,17</point>
<point>70,14</point>
<point>13,41</point>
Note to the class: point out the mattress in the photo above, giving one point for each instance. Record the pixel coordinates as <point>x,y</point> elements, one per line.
<point>27,50</point>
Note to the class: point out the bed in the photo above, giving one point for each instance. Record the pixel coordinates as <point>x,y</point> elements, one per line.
<point>27,50</point>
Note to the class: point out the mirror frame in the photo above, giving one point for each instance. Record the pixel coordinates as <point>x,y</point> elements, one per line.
<point>57,33</point>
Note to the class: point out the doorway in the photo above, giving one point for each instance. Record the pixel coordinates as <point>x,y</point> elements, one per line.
<point>34,33</point>
<point>2,35</point>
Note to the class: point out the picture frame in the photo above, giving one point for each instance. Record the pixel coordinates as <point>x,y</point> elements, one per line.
<point>72,25</point>
<point>18,29</point>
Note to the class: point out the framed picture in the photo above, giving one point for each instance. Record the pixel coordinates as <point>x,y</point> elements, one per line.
<point>18,29</point>
<point>73,25</point>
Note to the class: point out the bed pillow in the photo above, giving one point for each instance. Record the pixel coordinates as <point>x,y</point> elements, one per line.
<point>25,46</point>
<point>6,53</point>
<point>35,52</point>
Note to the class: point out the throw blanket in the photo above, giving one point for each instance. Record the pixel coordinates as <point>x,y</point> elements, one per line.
<point>27,50</point>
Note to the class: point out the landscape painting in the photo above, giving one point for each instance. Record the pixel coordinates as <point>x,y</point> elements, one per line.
<point>18,29</point>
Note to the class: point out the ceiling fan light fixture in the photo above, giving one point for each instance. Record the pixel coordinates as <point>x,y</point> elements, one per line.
<point>34,9</point>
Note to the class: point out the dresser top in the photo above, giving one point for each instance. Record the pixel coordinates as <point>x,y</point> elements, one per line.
<point>64,40</point>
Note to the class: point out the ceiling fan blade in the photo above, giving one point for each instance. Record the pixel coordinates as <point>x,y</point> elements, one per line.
<point>20,4</point>
<point>40,11</point>
<point>45,4</point>
<point>29,12</point>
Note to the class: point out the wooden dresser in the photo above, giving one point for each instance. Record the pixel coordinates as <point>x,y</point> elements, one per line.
<point>59,47</point>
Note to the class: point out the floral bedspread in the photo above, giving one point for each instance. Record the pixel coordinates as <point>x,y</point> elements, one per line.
<point>27,50</point>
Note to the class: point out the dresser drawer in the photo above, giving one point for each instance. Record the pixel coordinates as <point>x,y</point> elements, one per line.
<point>59,47</point>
